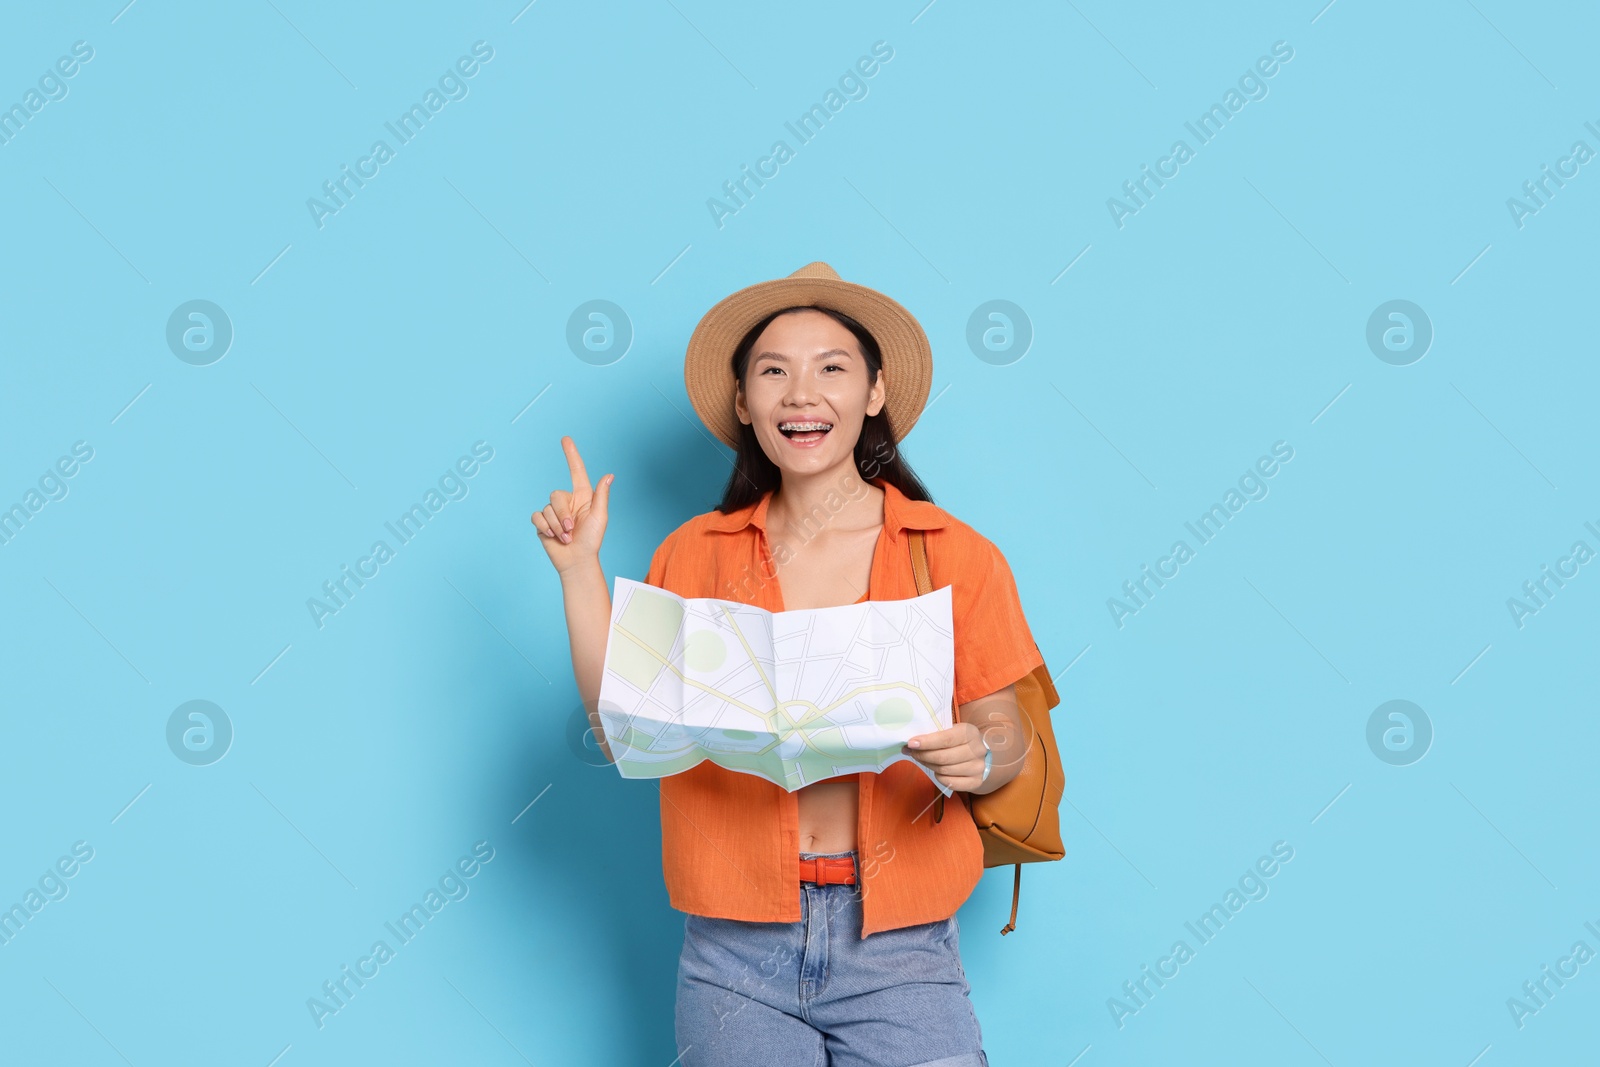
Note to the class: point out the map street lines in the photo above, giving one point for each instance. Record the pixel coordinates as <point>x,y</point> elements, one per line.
<point>791,696</point>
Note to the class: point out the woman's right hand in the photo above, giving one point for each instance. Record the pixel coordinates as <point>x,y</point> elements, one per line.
<point>572,525</point>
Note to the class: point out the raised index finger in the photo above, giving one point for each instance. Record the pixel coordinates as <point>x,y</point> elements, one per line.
<point>580,476</point>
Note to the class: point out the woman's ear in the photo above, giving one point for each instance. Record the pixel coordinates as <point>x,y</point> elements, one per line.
<point>877,395</point>
<point>739,407</point>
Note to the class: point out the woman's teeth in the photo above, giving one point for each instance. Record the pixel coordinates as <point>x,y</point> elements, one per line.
<point>804,429</point>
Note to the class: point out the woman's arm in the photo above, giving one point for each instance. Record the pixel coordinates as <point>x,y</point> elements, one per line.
<point>956,755</point>
<point>571,528</point>
<point>1000,722</point>
<point>587,600</point>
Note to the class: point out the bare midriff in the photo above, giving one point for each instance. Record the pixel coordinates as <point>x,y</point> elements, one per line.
<point>828,815</point>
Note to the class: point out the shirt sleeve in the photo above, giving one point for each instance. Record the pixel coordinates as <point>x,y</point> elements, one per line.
<point>994,646</point>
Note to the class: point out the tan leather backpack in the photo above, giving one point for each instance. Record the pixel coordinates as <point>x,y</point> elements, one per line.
<point>1020,822</point>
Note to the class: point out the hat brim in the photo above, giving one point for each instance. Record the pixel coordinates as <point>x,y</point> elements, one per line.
<point>708,363</point>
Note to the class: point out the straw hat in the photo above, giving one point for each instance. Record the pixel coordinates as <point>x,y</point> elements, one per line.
<point>708,365</point>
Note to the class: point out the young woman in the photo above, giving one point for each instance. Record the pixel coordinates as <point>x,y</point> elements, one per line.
<point>820,924</point>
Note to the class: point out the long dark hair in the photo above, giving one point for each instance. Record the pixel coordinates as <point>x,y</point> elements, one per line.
<point>876,454</point>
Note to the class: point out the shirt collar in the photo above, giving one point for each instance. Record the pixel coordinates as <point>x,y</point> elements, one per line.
<point>899,513</point>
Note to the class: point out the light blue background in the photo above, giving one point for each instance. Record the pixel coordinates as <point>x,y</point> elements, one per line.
<point>1228,314</point>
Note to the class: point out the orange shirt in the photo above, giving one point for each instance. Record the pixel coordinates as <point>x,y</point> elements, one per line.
<point>730,841</point>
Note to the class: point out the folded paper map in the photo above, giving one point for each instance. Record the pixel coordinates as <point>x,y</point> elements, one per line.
<point>791,696</point>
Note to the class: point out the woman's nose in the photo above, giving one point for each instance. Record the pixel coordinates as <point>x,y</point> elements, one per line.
<point>799,390</point>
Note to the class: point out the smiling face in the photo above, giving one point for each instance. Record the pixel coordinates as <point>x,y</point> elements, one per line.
<point>806,391</point>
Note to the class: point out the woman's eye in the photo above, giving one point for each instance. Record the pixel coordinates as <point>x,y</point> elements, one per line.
<point>833,366</point>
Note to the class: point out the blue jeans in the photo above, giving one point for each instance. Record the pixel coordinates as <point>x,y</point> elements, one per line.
<point>814,994</point>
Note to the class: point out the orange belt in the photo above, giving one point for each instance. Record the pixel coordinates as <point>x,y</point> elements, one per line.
<point>829,870</point>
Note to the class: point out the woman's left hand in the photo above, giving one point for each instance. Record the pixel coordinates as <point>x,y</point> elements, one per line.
<point>955,756</point>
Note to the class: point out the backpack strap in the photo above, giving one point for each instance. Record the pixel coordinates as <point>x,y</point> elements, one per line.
<point>1016,893</point>
<point>919,562</point>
